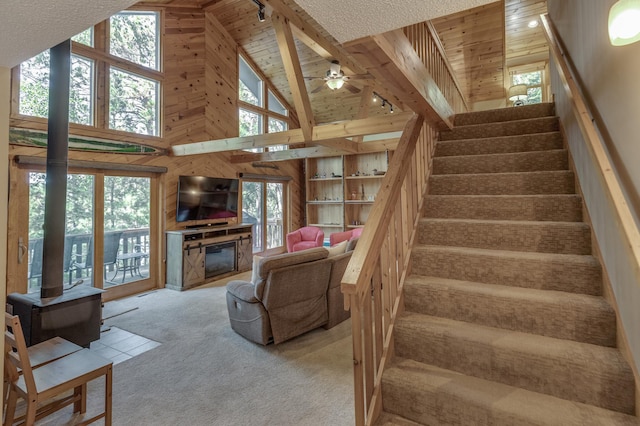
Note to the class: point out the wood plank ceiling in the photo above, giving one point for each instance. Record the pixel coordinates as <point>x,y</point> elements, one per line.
<point>473,39</point>
<point>485,43</point>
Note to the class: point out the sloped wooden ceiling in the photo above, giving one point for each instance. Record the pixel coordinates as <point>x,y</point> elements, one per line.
<point>481,43</point>
<point>258,41</point>
<point>525,45</point>
<point>474,43</point>
<point>486,43</point>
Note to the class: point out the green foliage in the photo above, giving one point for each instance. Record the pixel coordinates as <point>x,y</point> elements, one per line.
<point>85,37</point>
<point>134,36</point>
<point>126,203</point>
<point>133,102</point>
<point>133,105</point>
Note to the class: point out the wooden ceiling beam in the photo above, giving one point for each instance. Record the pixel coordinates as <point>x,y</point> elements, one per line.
<point>365,126</point>
<point>343,144</point>
<point>289,154</point>
<point>346,129</point>
<point>306,34</point>
<point>378,146</point>
<point>242,142</point>
<point>293,71</point>
<point>391,58</point>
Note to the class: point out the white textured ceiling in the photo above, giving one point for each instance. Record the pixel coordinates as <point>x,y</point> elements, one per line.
<point>27,27</point>
<point>348,20</point>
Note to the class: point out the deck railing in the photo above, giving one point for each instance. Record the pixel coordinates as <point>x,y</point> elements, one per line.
<point>373,281</point>
<point>76,249</point>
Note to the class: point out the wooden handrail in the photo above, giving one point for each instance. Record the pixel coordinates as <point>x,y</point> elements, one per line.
<point>585,120</point>
<point>374,278</point>
<point>373,281</point>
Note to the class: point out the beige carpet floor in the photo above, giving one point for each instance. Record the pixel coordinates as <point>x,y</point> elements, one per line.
<point>203,373</point>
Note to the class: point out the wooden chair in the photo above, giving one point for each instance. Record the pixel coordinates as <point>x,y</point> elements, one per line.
<point>40,385</point>
<point>43,353</point>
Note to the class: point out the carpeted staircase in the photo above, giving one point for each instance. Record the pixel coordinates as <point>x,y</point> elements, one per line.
<point>504,321</point>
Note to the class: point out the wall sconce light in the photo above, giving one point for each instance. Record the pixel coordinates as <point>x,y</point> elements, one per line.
<point>624,22</point>
<point>518,94</point>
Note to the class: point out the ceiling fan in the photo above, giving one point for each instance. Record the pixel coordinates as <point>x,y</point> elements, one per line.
<point>335,79</point>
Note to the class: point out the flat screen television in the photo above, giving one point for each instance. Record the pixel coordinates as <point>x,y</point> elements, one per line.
<point>201,197</point>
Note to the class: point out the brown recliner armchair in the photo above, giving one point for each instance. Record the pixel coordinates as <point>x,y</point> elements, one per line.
<point>287,297</point>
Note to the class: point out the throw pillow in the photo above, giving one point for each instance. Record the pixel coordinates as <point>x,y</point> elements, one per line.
<point>352,244</point>
<point>254,270</point>
<point>337,249</point>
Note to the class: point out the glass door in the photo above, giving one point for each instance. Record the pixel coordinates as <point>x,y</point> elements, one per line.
<point>253,211</point>
<point>127,218</point>
<point>107,239</point>
<point>79,231</point>
<point>263,206</point>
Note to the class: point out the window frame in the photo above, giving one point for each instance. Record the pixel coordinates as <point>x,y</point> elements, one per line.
<point>528,69</point>
<point>103,60</point>
<point>268,91</point>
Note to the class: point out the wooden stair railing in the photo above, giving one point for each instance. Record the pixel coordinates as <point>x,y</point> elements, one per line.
<point>425,41</point>
<point>373,282</point>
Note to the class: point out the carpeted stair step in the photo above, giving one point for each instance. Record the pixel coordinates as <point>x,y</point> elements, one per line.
<point>533,236</point>
<point>560,207</point>
<point>433,396</point>
<point>506,128</point>
<point>387,419</point>
<point>579,372</point>
<point>521,183</point>
<point>505,114</point>
<point>500,144</point>
<point>571,316</point>
<point>544,271</point>
<point>502,163</point>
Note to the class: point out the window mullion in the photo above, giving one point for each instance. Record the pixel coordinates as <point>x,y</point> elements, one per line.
<point>101,43</point>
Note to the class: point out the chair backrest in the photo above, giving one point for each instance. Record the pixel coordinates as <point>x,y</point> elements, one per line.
<point>310,233</point>
<point>16,355</point>
<point>35,269</point>
<point>111,246</point>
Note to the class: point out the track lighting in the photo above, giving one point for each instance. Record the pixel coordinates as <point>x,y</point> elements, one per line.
<point>261,14</point>
<point>384,102</point>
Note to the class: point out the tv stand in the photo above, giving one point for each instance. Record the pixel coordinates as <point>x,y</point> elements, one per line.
<point>206,225</point>
<point>200,255</point>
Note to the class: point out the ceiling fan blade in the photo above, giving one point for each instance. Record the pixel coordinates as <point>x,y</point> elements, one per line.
<point>351,87</point>
<point>360,77</point>
<point>319,88</point>
<point>313,78</point>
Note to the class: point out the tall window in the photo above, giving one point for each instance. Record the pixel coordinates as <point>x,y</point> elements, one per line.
<point>133,100</point>
<point>34,88</point>
<point>260,111</point>
<point>533,80</point>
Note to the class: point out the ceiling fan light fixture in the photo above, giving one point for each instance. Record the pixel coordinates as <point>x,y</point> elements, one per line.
<point>335,83</point>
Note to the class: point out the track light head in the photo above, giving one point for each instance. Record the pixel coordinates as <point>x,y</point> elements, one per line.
<point>261,13</point>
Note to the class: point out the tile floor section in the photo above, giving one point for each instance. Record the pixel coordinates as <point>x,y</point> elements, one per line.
<point>119,345</point>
